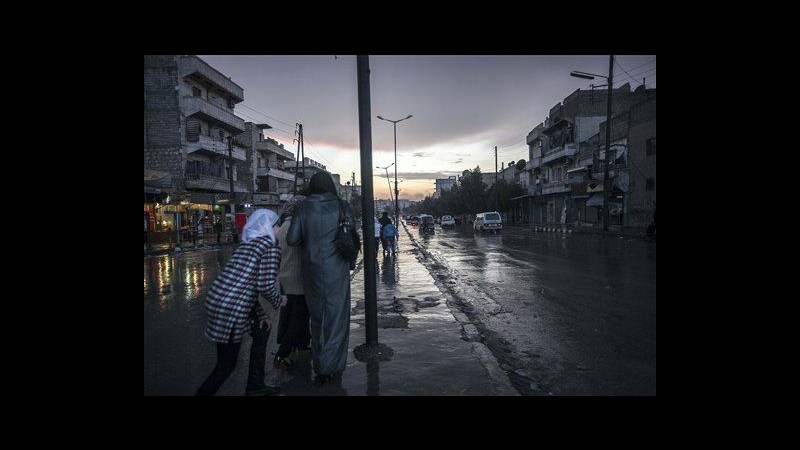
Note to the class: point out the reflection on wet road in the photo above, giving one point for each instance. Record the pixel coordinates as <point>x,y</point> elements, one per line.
<point>574,314</point>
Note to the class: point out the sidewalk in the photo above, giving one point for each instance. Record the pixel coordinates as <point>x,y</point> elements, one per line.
<point>428,350</point>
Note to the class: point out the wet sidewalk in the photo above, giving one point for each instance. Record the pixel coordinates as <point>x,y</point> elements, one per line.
<point>428,351</point>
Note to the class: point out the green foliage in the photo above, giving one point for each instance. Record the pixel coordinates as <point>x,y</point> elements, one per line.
<point>469,196</point>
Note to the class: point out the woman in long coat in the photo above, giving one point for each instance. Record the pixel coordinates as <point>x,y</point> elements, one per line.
<point>326,275</point>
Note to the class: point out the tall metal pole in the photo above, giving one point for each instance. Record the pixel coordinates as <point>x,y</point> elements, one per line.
<point>496,186</point>
<point>606,186</point>
<point>230,177</point>
<point>303,155</point>
<point>296,167</point>
<point>396,198</point>
<point>367,222</point>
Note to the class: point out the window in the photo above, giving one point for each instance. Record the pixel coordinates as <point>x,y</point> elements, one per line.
<point>651,184</point>
<point>651,146</point>
<point>221,135</point>
<point>196,92</point>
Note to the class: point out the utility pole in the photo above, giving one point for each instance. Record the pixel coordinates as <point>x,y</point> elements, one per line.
<point>300,159</point>
<point>606,185</point>
<point>496,186</point>
<point>396,199</point>
<point>296,166</point>
<point>495,165</point>
<point>230,177</point>
<point>367,222</point>
<point>303,154</point>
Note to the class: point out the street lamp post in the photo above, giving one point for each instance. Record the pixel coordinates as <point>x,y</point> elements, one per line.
<point>396,200</point>
<point>610,79</point>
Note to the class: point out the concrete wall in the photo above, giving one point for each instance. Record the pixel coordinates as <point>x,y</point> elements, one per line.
<point>163,127</point>
<point>642,128</point>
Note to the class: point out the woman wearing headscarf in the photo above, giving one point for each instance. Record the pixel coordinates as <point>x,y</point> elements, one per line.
<point>326,274</point>
<point>293,331</point>
<point>233,308</point>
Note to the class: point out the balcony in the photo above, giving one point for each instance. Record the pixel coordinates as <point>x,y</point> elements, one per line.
<point>196,67</point>
<point>556,187</point>
<point>208,176</point>
<point>208,111</point>
<point>269,146</point>
<point>274,171</point>
<point>213,147</point>
<point>211,183</point>
<point>560,152</point>
<point>534,163</point>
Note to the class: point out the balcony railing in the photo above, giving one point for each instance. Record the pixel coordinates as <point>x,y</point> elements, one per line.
<point>211,183</point>
<point>209,111</point>
<point>217,148</point>
<point>560,152</point>
<point>534,163</point>
<point>556,187</point>
<point>209,176</point>
<point>192,65</point>
<point>274,171</point>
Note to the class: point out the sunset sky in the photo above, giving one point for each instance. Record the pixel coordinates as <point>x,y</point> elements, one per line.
<point>462,107</point>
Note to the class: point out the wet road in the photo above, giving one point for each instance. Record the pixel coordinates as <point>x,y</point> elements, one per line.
<point>570,314</point>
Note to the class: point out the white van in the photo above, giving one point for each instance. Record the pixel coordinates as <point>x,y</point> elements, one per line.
<point>488,221</point>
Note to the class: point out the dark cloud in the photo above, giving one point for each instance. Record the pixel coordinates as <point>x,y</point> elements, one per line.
<point>462,105</point>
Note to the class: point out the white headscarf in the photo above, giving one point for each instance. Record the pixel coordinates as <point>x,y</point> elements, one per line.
<point>259,224</point>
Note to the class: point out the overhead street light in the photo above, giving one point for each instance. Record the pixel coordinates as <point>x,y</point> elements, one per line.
<point>396,200</point>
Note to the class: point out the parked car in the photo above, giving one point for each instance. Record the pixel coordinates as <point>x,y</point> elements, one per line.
<point>488,221</point>
<point>448,222</point>
<point>413,221</point>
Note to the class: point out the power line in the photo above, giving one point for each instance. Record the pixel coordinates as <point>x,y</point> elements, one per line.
<point>316,153</point>
<point>616,61</point>
<point>265,115</point>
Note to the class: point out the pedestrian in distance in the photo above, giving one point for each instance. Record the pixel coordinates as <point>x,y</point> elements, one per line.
<point>326,274</point>
<point>384,220</point>
<point>389,236</point>
<point>233,307</point>
<point>378,236</point>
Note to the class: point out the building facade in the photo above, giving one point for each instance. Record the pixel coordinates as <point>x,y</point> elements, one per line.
<point>189,123</point>
<point>444,184</point>
<point>265,173</point>
<point>566,157</point>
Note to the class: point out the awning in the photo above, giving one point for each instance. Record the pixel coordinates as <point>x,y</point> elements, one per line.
<point>595,200</point>
<point>521,197</point>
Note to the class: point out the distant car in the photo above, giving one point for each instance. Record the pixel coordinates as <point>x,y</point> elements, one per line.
<point>413,221</point>
<point>488,221</point>
<point>426,223</point>
<point>448,222</point>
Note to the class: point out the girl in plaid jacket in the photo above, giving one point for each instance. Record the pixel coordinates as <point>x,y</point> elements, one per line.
<point>232,305</point>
